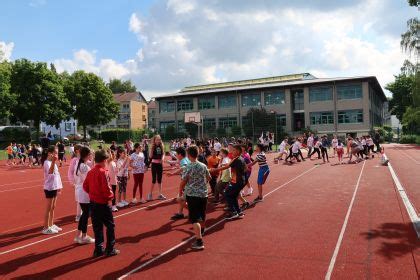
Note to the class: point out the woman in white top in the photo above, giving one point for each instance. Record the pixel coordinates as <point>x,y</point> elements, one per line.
<point>138,167</point>
<point>52,186</point>
<point>82,197</point>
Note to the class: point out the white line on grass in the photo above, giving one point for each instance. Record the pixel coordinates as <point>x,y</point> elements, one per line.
<point>207,229</point>
<point>343,228</point>
<point>407,203</point>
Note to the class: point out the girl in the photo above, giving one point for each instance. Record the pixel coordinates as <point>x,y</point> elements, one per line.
<point>282,150</point>
<point>156,156</point>
<point>324,146</point>
<point>263,171</point>
<point>316,148</point>
<point>112,173</point>
<point>70,175</point>
<point>248,190</point>
<point>138,166</point>
<point>334,143</point>
<point>340,151</point>
<point>122,176</point>
<point>52,186</point>
<point>82,197</point>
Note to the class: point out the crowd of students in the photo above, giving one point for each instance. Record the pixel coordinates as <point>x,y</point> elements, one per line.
<point>100,178</point>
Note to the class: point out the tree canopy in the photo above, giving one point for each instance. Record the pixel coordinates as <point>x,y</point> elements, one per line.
<point>120,86</point>
<point>7,100</point>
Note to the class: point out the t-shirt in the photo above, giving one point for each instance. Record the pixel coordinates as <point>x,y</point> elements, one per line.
<point>334,142</point>
<point>217,146</point>
<point>195,174</point>
<point>213,162</point>
<point>61,148</point>
<point>296,147</point>
<point>238,171</point>
<point>138,163</point>
<point>122,167</point>
<point>282,146</point>
<point>261,159</point>
<point>9,150</point>
<point>112,173</point>
<point>310,141</point>
<point>226,174</point>
<point>51,181</point>
<point>157,153</point>
<point>79,178</point>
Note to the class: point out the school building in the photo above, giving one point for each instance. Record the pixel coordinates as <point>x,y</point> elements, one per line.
<point>328,105</point>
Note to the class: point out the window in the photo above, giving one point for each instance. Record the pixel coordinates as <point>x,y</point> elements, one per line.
<point>164,125</point>
<point>274,97</point>
<point>298,101</point>
<point>67,126</point>
<point>143,108</point>
<point>322,117</point>
<point>206,103</point>
<point>228,122</point>
<point>351,116</point>
<point>126,106</point>
<point>166,106</point>
<point>227,101</point>
<point>209,124</point>
<point>349,91</point>
<point>181,126</point>
<point>251,99</point>
<point>320,94</point>
<point>185,105</point>
<point>281,120</point>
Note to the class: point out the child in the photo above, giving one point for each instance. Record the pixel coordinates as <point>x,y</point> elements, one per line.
<point>181,155</point>
<point>156,157</point>
<point>194,183</point>
<point>213,162</point>
<point>224,178</point>
<point>248,190</point>
<point>263,171</point>
<point>138,166</point>
<point>100,193</point>
<point>340,151</point>
<point>82,197</point>
<point>122,176</point>
<point>61,152</point>
<point>112,173</point>
<point>334,143</point>
<point>282,149</point>
<point>52,186</point>
<point>324,146</point>
<point>10,157</point>
<point>70,175</point>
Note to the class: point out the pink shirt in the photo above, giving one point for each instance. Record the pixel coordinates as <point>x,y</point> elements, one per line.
<point>72,168</point>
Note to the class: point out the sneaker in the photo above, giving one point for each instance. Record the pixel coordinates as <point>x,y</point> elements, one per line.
<point>227,208</point>
<point>55,227</point>
<point>125,203</point>
<point>161,197</point>
<point>258,199</point>
<point>177,216</point>
<point>244,206</point>
<point>134,201</point>
<point>142,201</point>
<point>77,218</point>
<point>98,253</point>
<point>203,230</point>
<point>149,197</point>
<point>120,204</point>
<point>87,240</point>
<point>241,215</point>
<point>232,216</point>
<point>113,252</point>
<point>198,244</point>
<point>77,240</point>
<point>114,208</point>
<point>49,230</point>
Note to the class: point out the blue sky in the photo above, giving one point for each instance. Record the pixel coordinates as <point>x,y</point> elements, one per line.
<point>164,45</point>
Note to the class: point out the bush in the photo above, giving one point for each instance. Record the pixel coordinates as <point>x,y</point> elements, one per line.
<point>221,132</point>
<point>386,133</point>
<point>120,135</point>
<point>236,131</point>
<point>20,135</point>
<point>410,139</point>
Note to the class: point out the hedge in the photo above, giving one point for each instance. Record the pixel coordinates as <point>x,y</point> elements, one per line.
<point>410,139</point>
<point>120,135</point>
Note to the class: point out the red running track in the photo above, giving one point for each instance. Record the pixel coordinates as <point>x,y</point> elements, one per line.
<point>293,234</point>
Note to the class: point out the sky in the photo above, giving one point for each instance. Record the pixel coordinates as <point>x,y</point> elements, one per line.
<point>165,45</point>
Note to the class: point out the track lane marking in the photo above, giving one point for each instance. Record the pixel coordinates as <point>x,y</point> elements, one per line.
<point>410,157</point>
<point>343,228</point>
<point>207,229</point>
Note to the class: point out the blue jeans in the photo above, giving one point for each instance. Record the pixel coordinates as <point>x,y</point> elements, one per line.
<point>232,192</point>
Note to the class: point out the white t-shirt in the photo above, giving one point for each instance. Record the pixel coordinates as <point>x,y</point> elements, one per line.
<point>138,163</point>
<point>112,173</point>
<point>282,147</point>
<point>51,181</point>
<point>122,167</point>
<point>310,141</point>
<point>217,146</point>
<point>296,147</point>
<point>334,142</point>
<point>79,178</point>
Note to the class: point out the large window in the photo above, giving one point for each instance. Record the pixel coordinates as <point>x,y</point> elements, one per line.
<point>298,101</point>
<point>228,122</point>
<point>322,118</point>
<point>251,99</point>
<point>164,125</point>
<point>351,116</point>
<point>185,105</point>
<point>349,91</point>
<point>209,124</point>
<point>166,106</point>
<point>274,97</point>
<point>320,94</point>
<point>227,101</point>
<point>181,126</point>
<point>206,103</point>
<point>281,120</point>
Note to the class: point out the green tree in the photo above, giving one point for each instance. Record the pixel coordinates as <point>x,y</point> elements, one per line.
<point>401,90</point>
<point>236,131</point>
<point>91,99</point>
<point>39,94</point>
<point>7,100</point>
<point>257,121</point>
<point>120,86</point>
<point>170,132</point>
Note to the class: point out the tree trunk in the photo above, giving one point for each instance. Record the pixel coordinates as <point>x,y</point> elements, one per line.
<point>84,133</point>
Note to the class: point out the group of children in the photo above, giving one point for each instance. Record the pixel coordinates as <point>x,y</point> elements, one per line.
<point>31,154</point>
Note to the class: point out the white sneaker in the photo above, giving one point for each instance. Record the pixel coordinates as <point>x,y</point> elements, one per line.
<point>149,197</point>
<point>77,218</point>
<point>49,230</point>
<point>120,204</point>
<point>87,240</point>
<point>56,228</point>
<point>161,197</point>
<point>142,201</point>
<point>114,208</point>
<point>134,201</point>
<point>77,240</point>
<point>125,203</point>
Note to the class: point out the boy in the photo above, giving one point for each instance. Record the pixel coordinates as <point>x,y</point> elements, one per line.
<point>194,183</point>
<point>181,155</point>
<point>263,171</point>
<point>224,178</point>
<point>213,162</point>
<point>100,193</point>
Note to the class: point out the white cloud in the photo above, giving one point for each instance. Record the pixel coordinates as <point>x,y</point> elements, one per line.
<point>6,50</point>
<point>135,24</point>
<point>37,3</point>
<point>181,6</point>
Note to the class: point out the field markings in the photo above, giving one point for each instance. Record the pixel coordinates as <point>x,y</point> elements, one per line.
<point>343,228</point>
<point>207,229</point>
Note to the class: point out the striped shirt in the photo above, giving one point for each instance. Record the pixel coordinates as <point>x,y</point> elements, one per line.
<point>261,159</point>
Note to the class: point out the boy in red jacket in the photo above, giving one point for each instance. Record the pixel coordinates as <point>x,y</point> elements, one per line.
<point>100,193</point>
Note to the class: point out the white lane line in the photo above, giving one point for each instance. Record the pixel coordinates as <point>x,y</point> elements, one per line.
<point>67,232</point>
<point>207,229</point>
<point>18,189</point>
<point>343,228</point>
<point>17,183</point>
<point>407,203</point>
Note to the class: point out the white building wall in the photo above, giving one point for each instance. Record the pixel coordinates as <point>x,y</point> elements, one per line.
<point>66,127</point>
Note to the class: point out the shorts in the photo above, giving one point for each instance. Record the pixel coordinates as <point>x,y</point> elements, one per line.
<point>60,156</point>
<point>263,174</point>
<point>122,184</point>
<point>196,208</point>
<point>10,156</point>
<point>50,194</point>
